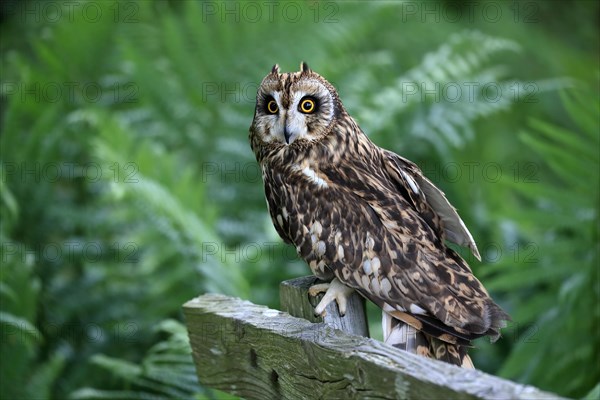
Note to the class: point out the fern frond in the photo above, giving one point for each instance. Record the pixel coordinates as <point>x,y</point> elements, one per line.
<point>166,372</point>
<point>451,88</point>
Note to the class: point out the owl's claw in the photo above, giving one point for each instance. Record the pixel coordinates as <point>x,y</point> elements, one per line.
<point>335,290</point>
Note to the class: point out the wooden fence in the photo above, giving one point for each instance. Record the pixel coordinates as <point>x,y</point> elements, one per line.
<point>256,352</point>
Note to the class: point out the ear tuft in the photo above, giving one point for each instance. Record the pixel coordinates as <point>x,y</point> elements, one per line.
<point>305,68</point>
<point>275,69</point>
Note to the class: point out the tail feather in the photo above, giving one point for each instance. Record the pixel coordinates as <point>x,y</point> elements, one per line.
<point>405,337</point>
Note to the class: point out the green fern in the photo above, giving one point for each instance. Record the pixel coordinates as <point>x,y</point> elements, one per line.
<point>451,88</point>
<point>21,339</point>
<point>166,372</point>
<point>568,254</point>
<point>158,120</point>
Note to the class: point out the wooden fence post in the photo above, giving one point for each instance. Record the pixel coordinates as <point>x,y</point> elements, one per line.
<point>295,300</point>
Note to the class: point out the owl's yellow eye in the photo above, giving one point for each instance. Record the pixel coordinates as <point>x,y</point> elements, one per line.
<point>272,107</point>
<point>307,106</point>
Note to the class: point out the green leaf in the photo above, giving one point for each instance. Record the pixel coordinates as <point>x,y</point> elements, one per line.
<point>120,368</point>
<point>20,327</point>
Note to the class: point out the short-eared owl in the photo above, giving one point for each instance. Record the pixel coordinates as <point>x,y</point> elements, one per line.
<point>367,219</point>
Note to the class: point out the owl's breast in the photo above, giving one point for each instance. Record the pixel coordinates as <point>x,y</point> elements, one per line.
<point>325,221</point>
<point>302,214</point>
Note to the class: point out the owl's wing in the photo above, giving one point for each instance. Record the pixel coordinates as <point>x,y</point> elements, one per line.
<point>459,308</point>
<point>427,285</point>
<point>420,189</point>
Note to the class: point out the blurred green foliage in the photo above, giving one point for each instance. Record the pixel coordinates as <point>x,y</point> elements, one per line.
<point>128,186</point>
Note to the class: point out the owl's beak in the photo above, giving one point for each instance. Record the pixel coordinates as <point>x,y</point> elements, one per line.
<point>287,134</point>
<point>292,128</point>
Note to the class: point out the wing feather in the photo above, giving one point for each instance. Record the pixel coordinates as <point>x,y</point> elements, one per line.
<point>409,175</point>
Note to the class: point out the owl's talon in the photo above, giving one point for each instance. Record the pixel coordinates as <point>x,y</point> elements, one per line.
<point>335,290</point>
<point>314,290</point>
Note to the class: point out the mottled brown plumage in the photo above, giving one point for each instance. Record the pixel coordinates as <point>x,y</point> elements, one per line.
<point>367,217</point>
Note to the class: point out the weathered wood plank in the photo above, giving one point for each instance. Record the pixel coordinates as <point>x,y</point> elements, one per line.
<point>295,300</point>
<point>259,353</point>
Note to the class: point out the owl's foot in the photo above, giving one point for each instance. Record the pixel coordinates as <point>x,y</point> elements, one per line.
<point>335,290</point>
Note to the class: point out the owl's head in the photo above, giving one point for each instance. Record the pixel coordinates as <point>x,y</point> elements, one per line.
<point>297,107</point>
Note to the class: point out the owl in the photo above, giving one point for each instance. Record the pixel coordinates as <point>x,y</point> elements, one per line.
<point>366,219</point>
